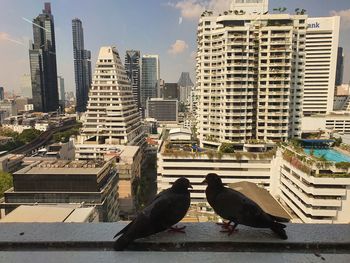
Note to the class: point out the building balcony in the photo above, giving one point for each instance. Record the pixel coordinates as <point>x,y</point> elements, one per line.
<point>87,242</point>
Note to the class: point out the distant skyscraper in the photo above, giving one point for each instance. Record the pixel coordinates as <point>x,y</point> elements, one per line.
<point>185,86</point>
<point>42,55</point>
<point>170,91</point>
<point>82,66</point>
<point>340,67</point>
<point>60,81</point>
<point>26,86</point>
<point>2,95</point>
<point>150,77</point>
<point>132,68</point>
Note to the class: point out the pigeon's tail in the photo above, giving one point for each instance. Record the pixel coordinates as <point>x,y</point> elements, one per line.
<point>121,243</point>
<point>279,230</point>
<point>279,219</point>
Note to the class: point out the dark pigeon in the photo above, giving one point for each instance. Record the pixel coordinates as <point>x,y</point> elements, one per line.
<point>239,209</point>
<point>166,210</point>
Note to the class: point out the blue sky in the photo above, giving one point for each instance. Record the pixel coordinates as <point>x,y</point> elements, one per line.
<point>163,27</point>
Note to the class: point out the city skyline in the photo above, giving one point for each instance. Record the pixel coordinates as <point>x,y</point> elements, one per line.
<point>176,51</point>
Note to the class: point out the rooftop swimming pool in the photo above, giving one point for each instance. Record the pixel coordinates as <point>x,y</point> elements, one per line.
<point>330,155</point>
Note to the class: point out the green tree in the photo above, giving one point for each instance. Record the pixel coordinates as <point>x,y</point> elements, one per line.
<point>28,135</point>
<point>8,132</point>
<point>5,182</point>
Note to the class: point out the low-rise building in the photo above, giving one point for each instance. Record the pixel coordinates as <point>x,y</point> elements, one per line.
<point>128,163</point>
<point>336,122</point>
<point>316,192</point>
<point>93,184</point>
<point>51,214</point>
<point>11,162</point>
<point>249,162</point>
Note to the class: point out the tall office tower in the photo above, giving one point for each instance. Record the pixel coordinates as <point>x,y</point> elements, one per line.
<point>150,77</point>
<point>26,86</point>
<point>249,76</point>
<point>322,37</point>
<point>185,86</point>
<point>2,94</point>
<point>340,67</point>
<point>169,91</point>
<point>62,91</point>
<point>112,116</point>
<point>132,68</point>
<point>42,55</point>
<point>82,66</point>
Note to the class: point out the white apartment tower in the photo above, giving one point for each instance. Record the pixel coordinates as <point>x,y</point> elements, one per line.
<point>322,37</point>
<point>249,76</point>
<point>112,117</point>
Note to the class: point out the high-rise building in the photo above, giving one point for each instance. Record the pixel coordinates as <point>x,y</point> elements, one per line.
<point>42,55</point>
<point>163,110</point>
<point>150,77</point>
<point>132,68</point>
<point>340,67</point>
<point>82,66</point>
<point>112,116</point>
<point>249,76</point>
<point>185,86</point>
<point>26,86</point>
<point>62,91</point>
<point>322,37</point>
<point>169,91</point>
<point>2,94</point>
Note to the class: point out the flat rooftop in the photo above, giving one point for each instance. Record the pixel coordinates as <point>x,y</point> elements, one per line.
<point>47,214</point>
<point>63,167</point>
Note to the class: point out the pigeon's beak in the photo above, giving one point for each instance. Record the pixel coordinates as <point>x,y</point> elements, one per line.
<point>205,181</point>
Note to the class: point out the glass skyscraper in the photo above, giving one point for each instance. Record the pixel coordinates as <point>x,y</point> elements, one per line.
<point>82,66</point>
<point>150,78</point>
<point>42,56</point>
<point>132,68</point>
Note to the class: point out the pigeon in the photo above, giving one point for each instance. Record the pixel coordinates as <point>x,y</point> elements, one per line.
<point>239,209</point>
<point>166,210</point>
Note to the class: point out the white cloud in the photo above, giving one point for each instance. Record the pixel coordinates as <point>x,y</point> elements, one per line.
<point>180,20</point>
<point>178,47</point>
<point>6,37</point>
<point>344,15</point>
<point>192,9</point>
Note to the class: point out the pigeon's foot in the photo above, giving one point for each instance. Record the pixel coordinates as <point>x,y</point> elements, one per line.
<point>176,229</point>
<point>230,229</point>
<point>224,225</point>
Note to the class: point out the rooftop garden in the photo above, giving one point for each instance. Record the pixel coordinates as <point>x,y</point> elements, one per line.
<point>226,149</point>
<point>311,164</point>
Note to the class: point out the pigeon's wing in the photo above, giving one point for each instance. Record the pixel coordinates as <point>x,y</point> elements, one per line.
<point>168,210</point>
<point>235,206</point>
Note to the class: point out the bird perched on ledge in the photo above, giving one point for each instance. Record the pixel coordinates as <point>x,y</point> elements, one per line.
<point>239,209</point>
<point>166,210</point>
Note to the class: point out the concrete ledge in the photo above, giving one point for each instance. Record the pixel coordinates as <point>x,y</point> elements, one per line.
<point>205,237</point>
<point>155,257</point>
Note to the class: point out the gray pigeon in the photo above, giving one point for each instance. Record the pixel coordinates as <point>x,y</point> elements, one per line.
<point>239,209</point>
<point>166,210</point>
